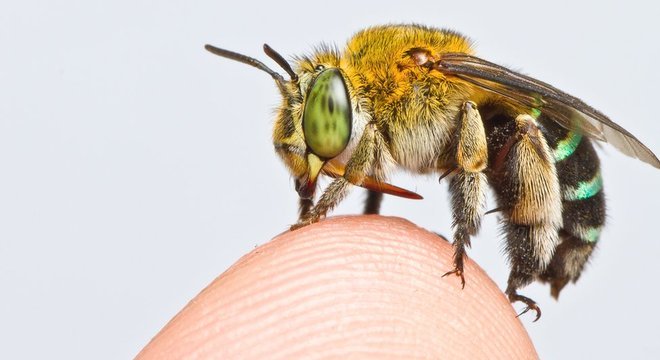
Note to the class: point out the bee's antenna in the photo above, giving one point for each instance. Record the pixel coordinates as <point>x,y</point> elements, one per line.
<point>246,60</point>
<point>279,59</point>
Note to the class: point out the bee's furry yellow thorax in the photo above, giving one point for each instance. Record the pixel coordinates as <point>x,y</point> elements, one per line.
<point>408,102</point>
<point>376,61</point>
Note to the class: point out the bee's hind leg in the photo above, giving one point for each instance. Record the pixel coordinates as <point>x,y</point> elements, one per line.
<point>525,260</point>
<point>468,185</point>
<point>527,188</point>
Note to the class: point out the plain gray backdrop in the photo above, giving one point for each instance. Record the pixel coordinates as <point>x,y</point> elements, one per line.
<point>135,167</point>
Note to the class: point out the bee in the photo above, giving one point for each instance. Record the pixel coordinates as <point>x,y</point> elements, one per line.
<point>417,98</point>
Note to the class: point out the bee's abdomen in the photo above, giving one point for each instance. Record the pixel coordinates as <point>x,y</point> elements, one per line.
<point>583,204</point>
<point>578,170</point>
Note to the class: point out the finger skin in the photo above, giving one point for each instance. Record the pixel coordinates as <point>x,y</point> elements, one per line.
<point>358,287</point>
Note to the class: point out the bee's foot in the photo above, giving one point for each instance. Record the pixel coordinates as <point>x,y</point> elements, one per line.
<point>308,220</point>
<point>299,224</point>
<point>531,304</point>
<point>458,271</point>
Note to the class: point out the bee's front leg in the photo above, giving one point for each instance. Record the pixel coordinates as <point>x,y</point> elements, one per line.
<point>468,185</point>
<point>304,207</point>
<point>358,166</point>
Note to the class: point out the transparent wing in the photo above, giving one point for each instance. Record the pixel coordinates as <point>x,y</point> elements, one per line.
<point>568,111</point>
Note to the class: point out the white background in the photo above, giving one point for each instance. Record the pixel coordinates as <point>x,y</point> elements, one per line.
<point>135,167</point>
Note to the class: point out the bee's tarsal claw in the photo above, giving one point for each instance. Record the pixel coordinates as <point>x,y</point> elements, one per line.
<point>531,305</point>
<point>457,272</point>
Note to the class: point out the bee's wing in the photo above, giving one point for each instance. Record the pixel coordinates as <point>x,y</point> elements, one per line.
<point>569,111</point>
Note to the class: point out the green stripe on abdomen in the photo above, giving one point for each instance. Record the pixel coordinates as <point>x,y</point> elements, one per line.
<point>588,234</point>
<point>584,189</point>
<point>566,147</point>
<point>592,234</point>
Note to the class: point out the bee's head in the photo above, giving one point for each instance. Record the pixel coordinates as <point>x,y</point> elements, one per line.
<point>315,121</point>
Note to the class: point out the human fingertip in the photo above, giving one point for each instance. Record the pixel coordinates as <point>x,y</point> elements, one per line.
<point>364,286</point>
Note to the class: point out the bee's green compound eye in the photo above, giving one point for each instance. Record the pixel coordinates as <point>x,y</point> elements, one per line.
<point>327,119</point>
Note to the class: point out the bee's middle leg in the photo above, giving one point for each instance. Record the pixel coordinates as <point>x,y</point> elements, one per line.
<point>468,185</point>
<point>372,203</point>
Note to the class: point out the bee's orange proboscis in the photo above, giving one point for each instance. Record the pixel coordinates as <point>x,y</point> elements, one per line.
<point>335,170</point>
